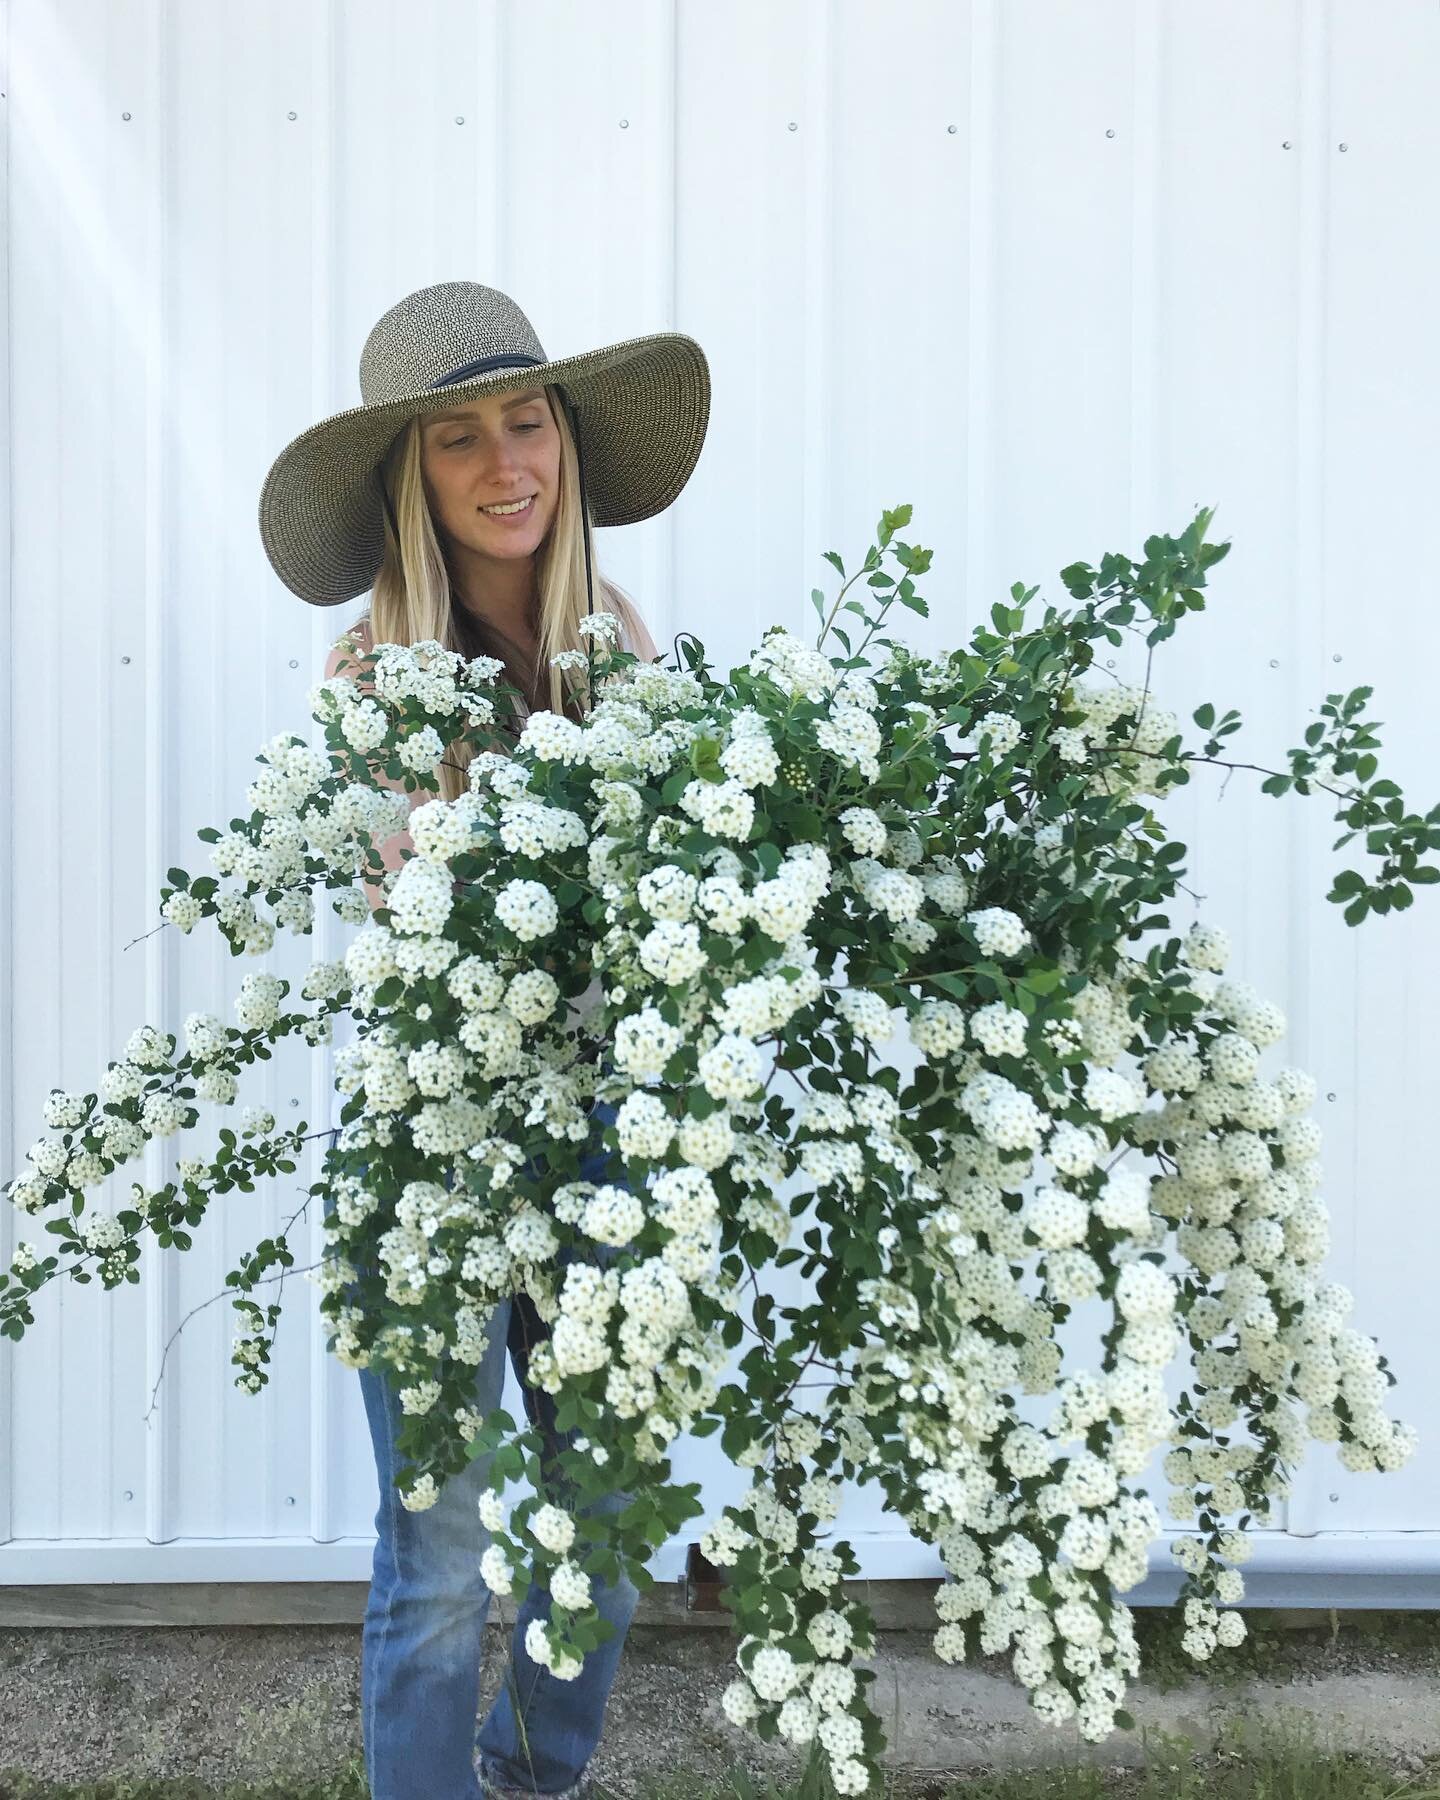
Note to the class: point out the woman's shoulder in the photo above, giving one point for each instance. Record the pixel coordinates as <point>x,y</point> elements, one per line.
<point>359,634</point>
<point>353,645</point>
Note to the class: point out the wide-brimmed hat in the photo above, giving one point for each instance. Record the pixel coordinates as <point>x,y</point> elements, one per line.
<point>638,409</point>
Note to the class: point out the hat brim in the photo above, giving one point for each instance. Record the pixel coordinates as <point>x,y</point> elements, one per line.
<point>643,406</point>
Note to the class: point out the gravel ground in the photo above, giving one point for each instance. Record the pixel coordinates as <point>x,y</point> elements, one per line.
<point>266,1702</point>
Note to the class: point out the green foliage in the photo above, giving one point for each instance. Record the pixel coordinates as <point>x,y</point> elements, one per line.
<point>1026,794</point>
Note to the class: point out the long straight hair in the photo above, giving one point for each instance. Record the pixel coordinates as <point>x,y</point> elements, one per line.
<point>413,598</point>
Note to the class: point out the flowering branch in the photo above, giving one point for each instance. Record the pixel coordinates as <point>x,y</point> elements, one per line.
<point>786,866</point>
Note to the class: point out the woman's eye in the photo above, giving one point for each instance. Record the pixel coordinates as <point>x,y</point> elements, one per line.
<point>531,425</point>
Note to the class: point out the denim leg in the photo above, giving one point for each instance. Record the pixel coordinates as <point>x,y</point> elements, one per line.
<point>541,1732</point>
<point>427,1605</point>
<point>425,1612</point>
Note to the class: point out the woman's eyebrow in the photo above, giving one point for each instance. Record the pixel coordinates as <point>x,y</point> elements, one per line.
<point>519,400</point>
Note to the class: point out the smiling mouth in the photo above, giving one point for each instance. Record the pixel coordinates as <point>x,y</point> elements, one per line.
<point>504,509</point>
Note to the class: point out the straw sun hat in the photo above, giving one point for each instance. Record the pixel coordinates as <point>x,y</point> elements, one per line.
<point>638,411</point>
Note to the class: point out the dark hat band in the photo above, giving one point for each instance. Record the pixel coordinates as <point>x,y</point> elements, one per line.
<point>486,365</point>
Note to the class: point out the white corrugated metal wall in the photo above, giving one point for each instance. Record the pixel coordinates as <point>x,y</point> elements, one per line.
<point>1054,271</point>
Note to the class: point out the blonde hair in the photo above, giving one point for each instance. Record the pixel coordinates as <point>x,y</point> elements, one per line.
<point>413,598</point>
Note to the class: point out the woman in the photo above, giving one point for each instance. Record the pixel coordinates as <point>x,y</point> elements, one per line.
<point>462,495</point>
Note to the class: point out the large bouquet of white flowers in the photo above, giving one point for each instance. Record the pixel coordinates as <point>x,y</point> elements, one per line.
<point>778,872</point>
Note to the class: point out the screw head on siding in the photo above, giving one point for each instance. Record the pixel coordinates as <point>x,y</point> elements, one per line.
<point>1109,662</point>
<point>1334,1496</point>
<point>459,118</point>
<point>1335,657</point>
<point>1110,131</point>
<point>792,126</point>
<point>952,129</point>
<point>1344,146</point>
<point>1274,662</point>
<point>124,115</point>
<point>1329,1096</point>
<point>129,1494</point>
<point>624,124</point>
<point>290,115</point>
<point>124,659</point>
<point>1286,144</point>
<point>294,662</point>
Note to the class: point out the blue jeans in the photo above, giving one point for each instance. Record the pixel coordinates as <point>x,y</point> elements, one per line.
<point>426,1609</point>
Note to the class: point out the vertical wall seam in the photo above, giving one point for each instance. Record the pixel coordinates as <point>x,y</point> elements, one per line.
<point>499,79</point>
<point>672,599</point>
<point>323,263</point>
<point>7,825</point>
<point>985,75</point>
<point>1303,661</point>
<point>1144,157</point>
<point>162,1442</point>
<point>817,187</point>
<point>100,1343</point>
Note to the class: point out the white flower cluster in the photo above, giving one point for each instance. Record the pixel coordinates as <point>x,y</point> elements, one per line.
<point>807,1699</point>
<point>968,1210</point>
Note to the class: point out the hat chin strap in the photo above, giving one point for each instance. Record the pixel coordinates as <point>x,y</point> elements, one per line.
<point>574,414</point>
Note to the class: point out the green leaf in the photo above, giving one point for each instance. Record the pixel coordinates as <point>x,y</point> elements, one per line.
<point>705,759</point>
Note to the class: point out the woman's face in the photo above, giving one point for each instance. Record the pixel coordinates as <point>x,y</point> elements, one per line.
<point>496,450</point>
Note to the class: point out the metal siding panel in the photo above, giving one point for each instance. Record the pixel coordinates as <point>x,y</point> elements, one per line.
<point>1342,1568</point>
<point>1375,989</point>
<point>75,205</point>
<point>1233,289</point>
<point>204,777</point>
<point>35,721</point>
<point>1109,332</point>
<point>330,1429</point>
<point>225,206</point>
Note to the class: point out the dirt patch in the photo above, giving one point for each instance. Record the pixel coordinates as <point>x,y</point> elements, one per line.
<point>257,1703</point>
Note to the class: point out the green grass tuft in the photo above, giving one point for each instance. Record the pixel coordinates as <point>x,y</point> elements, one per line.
<point>1279,1758</point>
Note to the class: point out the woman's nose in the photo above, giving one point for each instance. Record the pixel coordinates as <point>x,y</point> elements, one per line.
<point>504,456</point>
